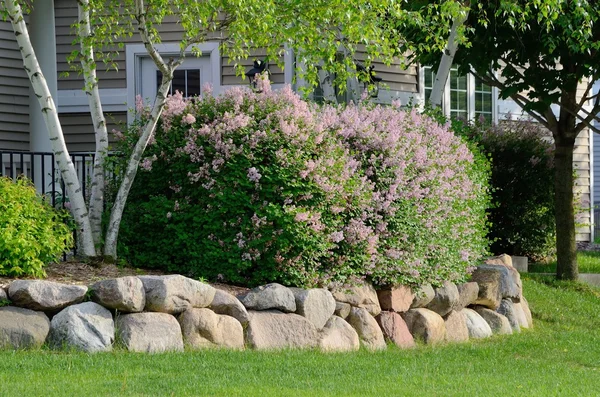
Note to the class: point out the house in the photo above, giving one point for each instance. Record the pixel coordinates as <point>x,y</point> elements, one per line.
<point>22,128</point>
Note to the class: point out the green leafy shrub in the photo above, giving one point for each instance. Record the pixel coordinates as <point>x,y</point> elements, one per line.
<point>522,215</point>
<point>253,188</point>
<point>32,233</point>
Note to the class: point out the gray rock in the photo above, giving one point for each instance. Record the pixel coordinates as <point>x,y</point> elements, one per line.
<point>445,300</point>
<point>468,294</point>
<point>224,303</point>
<point>149,332</point>
<point>507,309</point>
<point>367,328</point>
<point>273,330</point>
<point>425,325</point>
<point>395,329</point>
<point>456,327</point>
<point>423,296</point>
<point>497,322</point>
<point>363,295</point>
<point>338,336</point>
<point>397,299</point>
<point>87,326</point>
<point>125,294</point>
<point>342,309</point>
<point>527,312</point>
<point>202,328</point>
<point>271,296</point>
<point>45,295</point>
<point>175,294</point>
<point>506,277</point>
<point>316,304</point>
<point>22,328</point>
<point>520,314</point>
<point>478,327</point>
<point>3,296</point>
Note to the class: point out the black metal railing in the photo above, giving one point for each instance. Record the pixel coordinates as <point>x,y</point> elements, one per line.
<point>40,168</point>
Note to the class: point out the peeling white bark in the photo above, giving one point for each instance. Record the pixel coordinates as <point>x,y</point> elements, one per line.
<point>50,114</point>
<point>446,63</point>
<point>167,69</point>
<point>91,89</point>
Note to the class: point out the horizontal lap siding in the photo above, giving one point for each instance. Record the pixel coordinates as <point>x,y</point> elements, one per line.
<point>65,16</point>
<point>230,77</point>
<point>79,130</point>
<point>394,77</point>
<point>583,183</point>
<point>14,93</point>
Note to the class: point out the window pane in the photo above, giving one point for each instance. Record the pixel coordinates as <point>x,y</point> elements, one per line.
<point>186,81</point>
<point>193,83</point>
<point>179,82</point>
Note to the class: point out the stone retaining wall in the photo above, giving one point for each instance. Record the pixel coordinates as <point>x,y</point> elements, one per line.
<point>168,313</point>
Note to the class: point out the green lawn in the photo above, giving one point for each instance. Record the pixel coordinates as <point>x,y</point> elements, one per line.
<point>588,262</point>
<point>561,356</point>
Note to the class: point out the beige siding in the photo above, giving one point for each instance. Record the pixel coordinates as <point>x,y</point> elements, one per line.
<point>230,77</point>
<point>583,185</point>
<point>394,77</point>
<point>14,93</point>
<point>79,130</point>
<point>65,16</point>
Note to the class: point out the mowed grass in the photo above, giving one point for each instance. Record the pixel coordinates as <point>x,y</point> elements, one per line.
<point>561,356</point>
<point>588,262</point>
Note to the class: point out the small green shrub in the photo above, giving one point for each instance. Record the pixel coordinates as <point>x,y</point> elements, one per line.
<point>32,233</point>
<point>522,215</point>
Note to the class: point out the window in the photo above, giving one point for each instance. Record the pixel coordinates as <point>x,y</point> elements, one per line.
<point>186,81</point>
<point>465,96</point>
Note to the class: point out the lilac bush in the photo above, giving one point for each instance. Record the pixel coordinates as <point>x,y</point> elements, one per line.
<point>255,187</point>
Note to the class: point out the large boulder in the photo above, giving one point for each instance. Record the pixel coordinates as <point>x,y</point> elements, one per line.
<point>395,329</point>
<point>456,327</point>
<point>87,326</point>
<point>497,322</point>
<point>362,295</point>
<point>396,299</point>
<point>149,332</point>
<point>273,330</point>
<point>507,309</point>
<point>224,303</point>
<point>367,328</point>
<point>497,280</point>
<point>338,336</point>
<point>3,296</point>
<point>125,294</point>
<point>342,309</point>
<point>467,294</point>
<point>203,328</point>
<point>175,294</point>
<point>445,300</point>
<point>520,313</point>
<point>423,296</point>
<point>22,328</point>
<point>477,326</point>
<point>425,325</point>
<point>316,304</point>
<point>45,296</point>
<point>527,312</point>
<point>270,297</point>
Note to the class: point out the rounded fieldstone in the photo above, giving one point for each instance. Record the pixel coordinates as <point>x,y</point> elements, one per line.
<point>22,328</point>
<point>175,294</point>
<point>367,328</point>
<point>45,295</point>
<point>338,336</point>
<point>507,309</point>
<point>478,327</point>
<point>316,304</point>
<point>426,325</point>
<point>423,296</point>
<point>445,300</point>
<point>467,294</point>
<point>224,303</point>
<point>395,329</point>
<point>87,326</point>
<point>149,332</point>
<point>362,295</point>
<point>271,296</point>
<point>456,327</point>
<point>202,328</point>
<point>125,294</point>
<point>273,330</point>
<point>497,322</point>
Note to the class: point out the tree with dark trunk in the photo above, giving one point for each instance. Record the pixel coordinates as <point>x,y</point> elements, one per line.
<point>544,55</point>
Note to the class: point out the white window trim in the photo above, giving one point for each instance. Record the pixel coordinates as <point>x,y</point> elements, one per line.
<point>470,96</point>
<point>135,52</point>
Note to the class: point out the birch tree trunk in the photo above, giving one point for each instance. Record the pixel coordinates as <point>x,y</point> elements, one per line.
<point>50,114</point>
<point>446,63</point>
<point>112,233</point>
<point>91,89</point>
